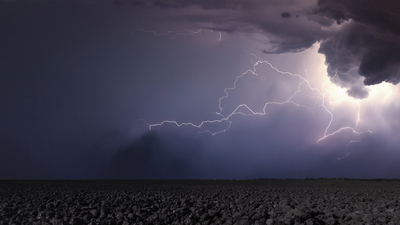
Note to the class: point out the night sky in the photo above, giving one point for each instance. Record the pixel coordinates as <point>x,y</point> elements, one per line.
<point>227,89</point>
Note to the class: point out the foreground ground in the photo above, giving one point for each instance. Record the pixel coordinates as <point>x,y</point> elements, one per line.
<point>200,202</point>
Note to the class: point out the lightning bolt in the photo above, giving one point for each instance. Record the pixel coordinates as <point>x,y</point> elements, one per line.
<point>349,152</point>
<point>326,134</point>
<point>323,92</point>
<point>358,113</point>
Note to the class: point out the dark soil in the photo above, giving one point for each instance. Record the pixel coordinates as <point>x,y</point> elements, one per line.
<point>319,201</point>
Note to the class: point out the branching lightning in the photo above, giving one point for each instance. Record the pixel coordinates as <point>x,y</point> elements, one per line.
<point>323,94</point>
<point>331,120</point>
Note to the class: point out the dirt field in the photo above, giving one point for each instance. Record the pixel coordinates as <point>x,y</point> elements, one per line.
<point>319,201</point>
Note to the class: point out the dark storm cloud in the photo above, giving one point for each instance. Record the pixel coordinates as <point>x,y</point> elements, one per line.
<point>368,44</point>
<point>365,50</point>
<point>343,53</point>
<point>73,72</point>
<point>266,17</point>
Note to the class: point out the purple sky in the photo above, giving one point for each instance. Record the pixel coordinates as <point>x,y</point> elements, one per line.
<point>230,89</point>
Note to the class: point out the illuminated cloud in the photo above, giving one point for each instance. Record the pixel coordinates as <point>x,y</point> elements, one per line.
<point>368,43</point>
<point>362,49</point>
<point>78,71</point>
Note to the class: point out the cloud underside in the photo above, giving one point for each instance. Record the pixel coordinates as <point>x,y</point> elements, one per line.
<point>360,40</point>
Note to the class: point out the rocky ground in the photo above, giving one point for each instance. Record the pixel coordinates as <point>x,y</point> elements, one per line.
<point>319,201</point>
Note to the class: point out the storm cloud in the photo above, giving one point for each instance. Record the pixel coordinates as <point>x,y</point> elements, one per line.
<point>83,80</point>
<point>367,44</point>
<point>362,49</point>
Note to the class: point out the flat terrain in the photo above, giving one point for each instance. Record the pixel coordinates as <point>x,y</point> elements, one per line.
<point>319,201</point>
